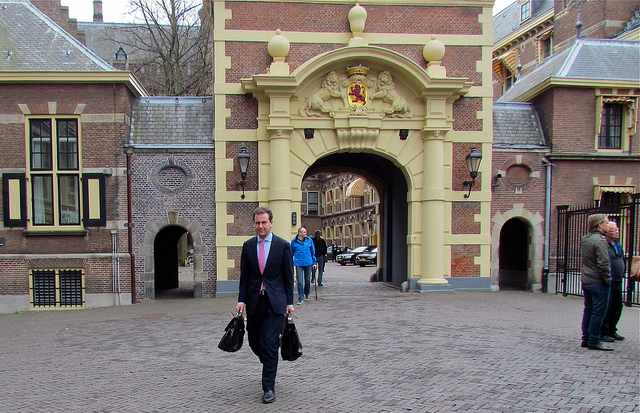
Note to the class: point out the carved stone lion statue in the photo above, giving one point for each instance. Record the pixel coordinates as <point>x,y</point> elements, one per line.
<point>386,90</point>
<point>314,105</point>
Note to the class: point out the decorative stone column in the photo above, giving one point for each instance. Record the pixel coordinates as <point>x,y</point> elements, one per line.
<point>432,279</point>
<point>279,132</point>
<point>280,194</point>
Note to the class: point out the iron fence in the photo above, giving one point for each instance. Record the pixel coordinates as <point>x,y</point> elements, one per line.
<point>572,225</point>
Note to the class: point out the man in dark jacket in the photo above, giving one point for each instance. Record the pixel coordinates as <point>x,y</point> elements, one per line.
<point>609,330</point>
<point>266,292</point>
<point>321,256</point>
<point>596,281</point>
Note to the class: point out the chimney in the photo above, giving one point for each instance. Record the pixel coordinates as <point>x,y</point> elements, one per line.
<point>578,26</point>
<point>97,11</point>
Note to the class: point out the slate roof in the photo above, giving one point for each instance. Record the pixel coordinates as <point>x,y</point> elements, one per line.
<point>592,59</point>
<point>31,41</point>
<point>105,38</point>
<point>517,126</point>
<point>508,20</point>
<point>172,121</point>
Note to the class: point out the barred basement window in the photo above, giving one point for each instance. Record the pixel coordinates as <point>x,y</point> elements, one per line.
<point>57,288</point>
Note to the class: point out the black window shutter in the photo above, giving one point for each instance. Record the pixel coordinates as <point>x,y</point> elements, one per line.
<point>100,221</point>
<point>14,221</point>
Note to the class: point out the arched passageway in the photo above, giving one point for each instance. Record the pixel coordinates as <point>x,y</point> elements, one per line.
<point>168,257</point>
<point>514,255</point>
<point>391,184</point>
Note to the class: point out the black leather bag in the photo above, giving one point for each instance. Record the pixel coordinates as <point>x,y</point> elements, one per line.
<point>232,339</point>
<point>290,346</point>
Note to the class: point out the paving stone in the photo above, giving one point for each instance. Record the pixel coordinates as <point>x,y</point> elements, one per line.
<point>367,348</point>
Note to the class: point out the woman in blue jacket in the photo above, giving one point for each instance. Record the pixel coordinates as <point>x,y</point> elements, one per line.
<point>304,258</point>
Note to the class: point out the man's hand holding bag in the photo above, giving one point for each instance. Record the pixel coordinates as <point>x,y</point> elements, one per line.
<point>232,339</point>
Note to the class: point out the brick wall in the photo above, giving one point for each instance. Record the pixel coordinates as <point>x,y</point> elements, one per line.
<point>600,18</point>
<point>330,18</point>
<point>462,214</point>
<point>244,112</point>
<point>462,260</point>
<point>573,120</point>
<point>464,114</point>
<point>193,202</point>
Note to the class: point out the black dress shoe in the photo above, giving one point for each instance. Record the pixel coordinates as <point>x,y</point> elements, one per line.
<point>600,346</point>
<point>269,396</point>
<point>584,344</point>
<point>607,339</point>
<point>616,336</point>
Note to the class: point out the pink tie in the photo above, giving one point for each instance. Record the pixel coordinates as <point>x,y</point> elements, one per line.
<point>261,258</point>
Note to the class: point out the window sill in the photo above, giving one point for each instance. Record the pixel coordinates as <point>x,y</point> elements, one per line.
<point>73,233</point>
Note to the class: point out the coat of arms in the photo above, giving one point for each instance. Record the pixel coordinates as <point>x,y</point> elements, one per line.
<point>357,89</point>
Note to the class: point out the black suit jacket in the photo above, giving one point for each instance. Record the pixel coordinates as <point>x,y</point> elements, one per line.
<point>277,277</point>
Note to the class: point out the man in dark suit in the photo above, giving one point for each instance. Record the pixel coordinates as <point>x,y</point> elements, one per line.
<point>266,292</point>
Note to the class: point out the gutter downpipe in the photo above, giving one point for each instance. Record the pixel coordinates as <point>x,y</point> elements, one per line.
<point>128,150</point>
<point>547,226</point>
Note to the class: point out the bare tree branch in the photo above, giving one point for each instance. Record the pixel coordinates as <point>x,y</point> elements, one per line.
<point>168,47</point>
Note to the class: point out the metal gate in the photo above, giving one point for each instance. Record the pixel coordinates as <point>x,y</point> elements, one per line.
<point>572,225</point>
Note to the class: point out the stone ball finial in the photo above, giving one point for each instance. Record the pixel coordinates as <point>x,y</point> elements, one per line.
<point>278,46</point>
<point>433,50</point>
<point>357,17</point>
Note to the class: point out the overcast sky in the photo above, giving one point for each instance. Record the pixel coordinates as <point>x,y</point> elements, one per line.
<point>116,10</point>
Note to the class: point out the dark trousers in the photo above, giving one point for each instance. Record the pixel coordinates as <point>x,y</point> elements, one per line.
<point>596,299</point>
<point>614,311</point>
<point>263,330</point>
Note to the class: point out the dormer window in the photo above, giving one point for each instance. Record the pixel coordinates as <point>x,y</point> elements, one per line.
<point>525,10</point>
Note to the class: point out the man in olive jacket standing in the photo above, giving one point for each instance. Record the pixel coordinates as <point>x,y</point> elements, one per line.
<point>596,281</point>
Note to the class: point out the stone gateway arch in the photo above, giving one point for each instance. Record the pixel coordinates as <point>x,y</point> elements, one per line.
<point>337,99</point>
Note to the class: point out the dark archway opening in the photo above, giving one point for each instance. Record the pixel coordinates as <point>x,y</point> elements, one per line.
<point>392,187</point>
<point>167,260</point>
<point>514,255</point>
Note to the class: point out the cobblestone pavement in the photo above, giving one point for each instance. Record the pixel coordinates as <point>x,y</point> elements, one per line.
<point>367,348</point>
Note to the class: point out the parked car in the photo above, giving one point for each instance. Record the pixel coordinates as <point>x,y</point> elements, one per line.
<point>350,257</point>
<point>339,250</point>
<point>370,257</point>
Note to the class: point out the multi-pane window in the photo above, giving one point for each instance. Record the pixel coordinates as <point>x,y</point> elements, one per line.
<point>546,47</point>
<point>312,203</point>
<point>525,10</point>
<point>611,127</point>
<point>57,288</point>
<point>55,172</point>
<point>509,80</point>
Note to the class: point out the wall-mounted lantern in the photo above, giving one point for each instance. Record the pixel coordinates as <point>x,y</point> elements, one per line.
<point>243,163</point>
<point>473,164</point>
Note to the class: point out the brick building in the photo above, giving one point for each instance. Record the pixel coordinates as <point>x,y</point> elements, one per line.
<point>363,113</point>
<point>428,104</point>
<point>577,92</point>
<point>63,115</point>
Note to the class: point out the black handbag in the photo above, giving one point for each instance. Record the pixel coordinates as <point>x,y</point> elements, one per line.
<point>290,346</point>
<point>232,339</point>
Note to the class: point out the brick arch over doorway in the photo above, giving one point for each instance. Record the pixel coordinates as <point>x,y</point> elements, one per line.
<point>534,222</point>
<point>153,228</point>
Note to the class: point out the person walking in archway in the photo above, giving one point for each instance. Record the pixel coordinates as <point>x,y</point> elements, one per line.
<point>321,256</point>
<point>304,258</point>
